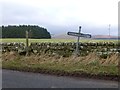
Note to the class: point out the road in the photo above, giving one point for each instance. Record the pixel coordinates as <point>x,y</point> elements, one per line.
<point>16,79</point>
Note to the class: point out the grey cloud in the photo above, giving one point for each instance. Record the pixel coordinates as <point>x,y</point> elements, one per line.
<point>16,13</point>
<point>25,14</point>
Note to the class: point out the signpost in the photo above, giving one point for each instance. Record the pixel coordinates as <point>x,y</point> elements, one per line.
<point>79,34</point>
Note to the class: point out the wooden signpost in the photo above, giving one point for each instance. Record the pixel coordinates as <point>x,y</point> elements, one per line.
<point>79,34</point>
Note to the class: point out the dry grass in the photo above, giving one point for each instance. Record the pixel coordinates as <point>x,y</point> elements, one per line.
<point>39,59</point>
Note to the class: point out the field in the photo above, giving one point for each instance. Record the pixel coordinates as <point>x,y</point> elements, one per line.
<point>54,40</point>
<point>90,65</point>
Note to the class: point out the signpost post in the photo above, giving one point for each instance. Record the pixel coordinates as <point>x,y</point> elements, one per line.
<point>79,34</point>
<point>77,44</point>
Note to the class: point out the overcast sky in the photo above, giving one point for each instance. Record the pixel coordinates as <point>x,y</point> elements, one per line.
<point>61,16</point>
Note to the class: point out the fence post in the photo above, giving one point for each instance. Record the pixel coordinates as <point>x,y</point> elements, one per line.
<point>27,43</point>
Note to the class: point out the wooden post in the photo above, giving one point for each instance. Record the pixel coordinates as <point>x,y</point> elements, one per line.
<point>27,43</point>
<point>77,44</point>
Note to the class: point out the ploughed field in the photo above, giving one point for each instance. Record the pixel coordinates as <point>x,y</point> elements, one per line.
<point>97,58</point>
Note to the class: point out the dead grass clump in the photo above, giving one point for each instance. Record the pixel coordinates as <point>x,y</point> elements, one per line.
<point>112,60</point>
<point>92,57</point>
<point>9,56</point>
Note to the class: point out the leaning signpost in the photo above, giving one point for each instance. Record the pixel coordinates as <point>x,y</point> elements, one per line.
<point>79,34</point>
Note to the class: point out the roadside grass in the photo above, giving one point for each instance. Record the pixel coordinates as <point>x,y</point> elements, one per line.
<point>74,66</point>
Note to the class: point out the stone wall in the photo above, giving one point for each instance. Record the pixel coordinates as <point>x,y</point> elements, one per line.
<point>67,49</point>
<point>7,47</point>
<point>64,49</point>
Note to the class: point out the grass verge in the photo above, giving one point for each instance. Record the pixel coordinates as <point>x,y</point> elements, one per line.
<point>70,66</point>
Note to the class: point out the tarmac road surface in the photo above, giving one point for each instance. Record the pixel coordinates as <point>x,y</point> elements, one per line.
<point>16,79</point>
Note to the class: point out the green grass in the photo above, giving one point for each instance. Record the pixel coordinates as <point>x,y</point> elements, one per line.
<point>52,40</point>
<point>69,68</point>
<point>36,40</point>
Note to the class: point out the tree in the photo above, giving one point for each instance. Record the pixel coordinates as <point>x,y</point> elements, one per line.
<point>19,32</point>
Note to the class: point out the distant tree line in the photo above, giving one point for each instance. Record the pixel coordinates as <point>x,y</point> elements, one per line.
<point>35,32</point>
